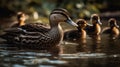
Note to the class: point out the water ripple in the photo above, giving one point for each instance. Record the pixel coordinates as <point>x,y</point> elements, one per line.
<point>87,55</point>
<point>43,61</point>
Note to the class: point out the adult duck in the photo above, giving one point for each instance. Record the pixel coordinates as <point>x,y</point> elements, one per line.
<point>112,29</point>
<point>40,37</point>
<point>95,28</point>
<point>80,33</point>
<point>20,20</point>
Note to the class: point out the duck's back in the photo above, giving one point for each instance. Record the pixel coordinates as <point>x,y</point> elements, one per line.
<point>35,27</point>
<point>106,30</point>
<point>15,25</point>
<point>71,35</point>
<point>89,29</point>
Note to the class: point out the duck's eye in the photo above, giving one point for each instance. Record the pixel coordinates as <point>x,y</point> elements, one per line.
<point>67,20</point>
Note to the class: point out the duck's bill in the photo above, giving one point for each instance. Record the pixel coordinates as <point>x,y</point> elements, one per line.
<point>99,22</point>
<point>89,24</point>
<point>116,25</point>
<point>71,22</point>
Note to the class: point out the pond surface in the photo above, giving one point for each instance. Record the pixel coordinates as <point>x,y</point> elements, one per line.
<point>91,54</point>
<point>85,53</point>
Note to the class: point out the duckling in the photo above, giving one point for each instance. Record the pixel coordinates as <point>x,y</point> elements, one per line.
<point>80,33</point>
<point>95,28</point>
<point>21,19</point>
<point>113,28</point>
<point>43,37</point>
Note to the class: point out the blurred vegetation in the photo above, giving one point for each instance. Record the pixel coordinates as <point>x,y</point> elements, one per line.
<point>39,10</point>
<point>77,8</point>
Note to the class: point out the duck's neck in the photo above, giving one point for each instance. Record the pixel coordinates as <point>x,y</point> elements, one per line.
<point>83,33</point>
<point>56,32</point>
<point>21,23</point>
<point>97,29</point>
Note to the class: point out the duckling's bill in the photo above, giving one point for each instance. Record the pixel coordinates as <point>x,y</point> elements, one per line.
<point>99,22</point>
<point>115,25</point>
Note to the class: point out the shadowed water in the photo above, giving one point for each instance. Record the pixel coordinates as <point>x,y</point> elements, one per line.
<point>90,54</point>
<point>80,53</point>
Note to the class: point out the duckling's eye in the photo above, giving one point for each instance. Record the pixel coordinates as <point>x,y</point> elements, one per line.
<point>79,24</point>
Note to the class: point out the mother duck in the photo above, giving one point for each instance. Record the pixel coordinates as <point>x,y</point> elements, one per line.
<point>37,36</point>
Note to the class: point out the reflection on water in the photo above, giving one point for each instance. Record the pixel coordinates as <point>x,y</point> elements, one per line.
<point>88,52</point>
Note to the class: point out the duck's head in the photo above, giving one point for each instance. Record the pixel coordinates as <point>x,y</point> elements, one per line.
<point>21,16</point>
<point>112,22</point>
<point>60,15</point>
<point>95,19</point>
<point>81,23</point>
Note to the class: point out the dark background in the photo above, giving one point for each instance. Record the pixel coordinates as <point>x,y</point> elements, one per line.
<point>78,8</point>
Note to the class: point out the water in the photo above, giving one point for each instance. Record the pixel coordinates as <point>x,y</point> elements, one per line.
<point>105,53</point>
<point>81,53</point>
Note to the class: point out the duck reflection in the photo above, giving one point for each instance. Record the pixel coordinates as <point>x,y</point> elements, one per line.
<point>82,45</point>
<point>113,46</point>
<point>89,45</point>
<point>96,38</point>
<point>96,43</point>
<point>56,50</point>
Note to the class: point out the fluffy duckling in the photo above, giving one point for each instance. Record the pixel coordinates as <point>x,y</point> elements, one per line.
<point>113,28</point>
<point>40,37</point>
<point>95,28</point>
<point>80,33</point>
<point>20,20</point>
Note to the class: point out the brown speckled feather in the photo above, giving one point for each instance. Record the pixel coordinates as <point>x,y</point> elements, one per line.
<point>27,39</point>
<point>34,40</point>
<point>36,27</point>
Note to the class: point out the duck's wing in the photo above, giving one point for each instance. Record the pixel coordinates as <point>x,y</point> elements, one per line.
<point>89,28</point>
<point>10,33</point>
<point>15,25</point>
<point>72,34</point>
<point>34,40</point>
<point>28,29</point>
<point>35,27</point>
<point>25,38</point>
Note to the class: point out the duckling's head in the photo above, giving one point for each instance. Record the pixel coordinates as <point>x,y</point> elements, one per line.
<point>60,15</point>
<point>21,16</point>
<point>95,19</point>
<point>81,23</point>
<point>112,22</point>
